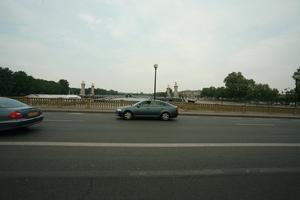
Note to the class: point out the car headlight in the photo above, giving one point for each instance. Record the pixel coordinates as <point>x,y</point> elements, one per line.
<point>119,109</point>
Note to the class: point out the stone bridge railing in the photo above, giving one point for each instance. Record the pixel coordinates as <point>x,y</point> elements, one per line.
<point>238,108</point>
<point>112,104</point>
<point>74,103</point>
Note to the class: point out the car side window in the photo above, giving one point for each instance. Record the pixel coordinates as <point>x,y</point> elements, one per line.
<point>162,104</point>
<point>154,104</point>
<point>145,104</point>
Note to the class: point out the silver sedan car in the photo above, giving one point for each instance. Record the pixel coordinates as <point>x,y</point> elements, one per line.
<point>15,114</point>
<point>149,108</point>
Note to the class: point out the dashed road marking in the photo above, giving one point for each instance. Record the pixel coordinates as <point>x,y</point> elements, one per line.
<point>75,113</point>
<point>240,124</point>
<point>146,173</point>
<point>62,120</point>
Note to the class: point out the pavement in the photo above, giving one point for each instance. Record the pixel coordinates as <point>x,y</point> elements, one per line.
<point>80,155</point>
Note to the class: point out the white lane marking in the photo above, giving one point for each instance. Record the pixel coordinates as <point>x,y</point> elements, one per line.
<point>267,119</point>
<point>62,120</point>
<point>211,172</point>
<point>203,172</point>
<point>146,173</point>
<point>240,124</point>
<point>75,113</point>
<point>143,145</point>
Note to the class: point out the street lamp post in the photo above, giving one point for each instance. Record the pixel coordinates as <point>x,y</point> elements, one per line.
<point>155,67</point>
<point>296,76</point>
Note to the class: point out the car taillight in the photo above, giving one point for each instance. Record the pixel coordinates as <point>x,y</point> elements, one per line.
<point>15,115</point>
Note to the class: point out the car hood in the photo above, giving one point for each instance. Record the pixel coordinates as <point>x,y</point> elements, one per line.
<point>124,107</point>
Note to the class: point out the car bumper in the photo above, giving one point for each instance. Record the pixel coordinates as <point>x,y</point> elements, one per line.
<point>173,115</point>
<point>119,113</point>
<point>13,124</point>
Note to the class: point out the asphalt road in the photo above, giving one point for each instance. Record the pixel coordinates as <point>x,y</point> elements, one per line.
<point>98,156</point>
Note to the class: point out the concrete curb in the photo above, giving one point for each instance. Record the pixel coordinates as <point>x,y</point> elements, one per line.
<point>241,115</point>
<point>181,113</point>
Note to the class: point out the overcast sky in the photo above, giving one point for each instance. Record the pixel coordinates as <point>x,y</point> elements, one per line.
<point>115,43</point>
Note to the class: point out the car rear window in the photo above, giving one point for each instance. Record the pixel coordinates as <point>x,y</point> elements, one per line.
<point>10,103</point>
<point>164,104</point>
<point>158,103</point>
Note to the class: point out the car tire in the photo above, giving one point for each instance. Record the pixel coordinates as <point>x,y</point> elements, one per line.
<point>165,116</point>
<point>127,115</point>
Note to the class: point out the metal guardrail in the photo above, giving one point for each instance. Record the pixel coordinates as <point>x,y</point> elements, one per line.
<point>111,104</point>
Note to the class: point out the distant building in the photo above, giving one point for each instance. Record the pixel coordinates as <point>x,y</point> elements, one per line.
<point>185,94</point>
<point>171,95</point>
<point>192,94</point>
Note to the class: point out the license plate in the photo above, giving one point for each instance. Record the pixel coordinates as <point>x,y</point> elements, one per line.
<point>33,114</point>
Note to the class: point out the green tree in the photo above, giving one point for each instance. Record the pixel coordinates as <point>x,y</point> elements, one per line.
<point>262,92</point>
<point>64,86</point>
<point>209,92</point>
<point>287,96</point>
<point>161,94</point>
<point>75,91</point>
<point>216,93</point>
<point>221,93</point>
<point>100,91</point>
<point>21,83</point>
<point>6,82</point>
<point>296,77</point>
<point>237,85</point>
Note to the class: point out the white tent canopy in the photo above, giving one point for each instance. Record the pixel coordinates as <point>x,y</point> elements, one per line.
<point>53,96</point>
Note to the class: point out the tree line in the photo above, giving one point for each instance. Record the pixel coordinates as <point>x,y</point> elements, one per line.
<point>20,84</point>
<point>237,87</point>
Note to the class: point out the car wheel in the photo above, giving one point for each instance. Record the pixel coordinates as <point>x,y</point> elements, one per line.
<point>165,116</point>
<point>127,115</point>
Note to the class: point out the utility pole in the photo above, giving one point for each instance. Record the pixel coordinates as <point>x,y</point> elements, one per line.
<point>155,68</point>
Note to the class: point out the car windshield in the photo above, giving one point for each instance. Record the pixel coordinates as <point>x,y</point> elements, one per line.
<point>10,103</point>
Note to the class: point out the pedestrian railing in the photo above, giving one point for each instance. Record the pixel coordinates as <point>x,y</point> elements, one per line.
<point>95,104</point>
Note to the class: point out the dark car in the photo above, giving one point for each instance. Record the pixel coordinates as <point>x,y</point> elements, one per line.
<point>15,114</point>
<point>149,108</point>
